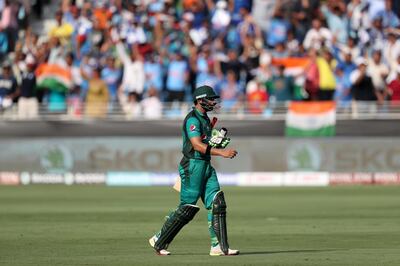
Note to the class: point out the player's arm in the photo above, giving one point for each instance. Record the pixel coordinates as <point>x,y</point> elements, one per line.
<point>192,128</point>
<point>203,148</point>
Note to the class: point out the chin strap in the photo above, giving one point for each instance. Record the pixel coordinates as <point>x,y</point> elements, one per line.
<point>207,105</point>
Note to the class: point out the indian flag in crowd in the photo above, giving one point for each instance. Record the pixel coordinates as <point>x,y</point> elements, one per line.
<point>308,119</point>
<point>293,65</point>
<point>54,77</point>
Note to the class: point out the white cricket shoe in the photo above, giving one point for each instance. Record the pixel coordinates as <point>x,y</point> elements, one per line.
<point>216,251</point>
<point>162,252</point>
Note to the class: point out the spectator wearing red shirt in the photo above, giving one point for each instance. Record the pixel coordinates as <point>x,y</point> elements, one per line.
<point>257,97</point>
<point>394,89</point>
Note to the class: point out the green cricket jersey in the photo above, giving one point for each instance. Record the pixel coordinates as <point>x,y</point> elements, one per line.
<point>195,124</point>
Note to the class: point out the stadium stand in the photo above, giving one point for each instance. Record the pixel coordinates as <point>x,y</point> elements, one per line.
<point>143,59</point>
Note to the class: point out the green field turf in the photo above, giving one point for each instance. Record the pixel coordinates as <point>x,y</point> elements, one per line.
<point>89,225</point>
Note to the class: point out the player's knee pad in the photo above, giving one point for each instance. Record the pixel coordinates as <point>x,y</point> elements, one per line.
<point>219,220</point>
<point>187,212</point>
<point>175,222</point>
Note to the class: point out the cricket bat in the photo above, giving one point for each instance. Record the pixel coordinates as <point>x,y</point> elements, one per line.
<point>177,185</point>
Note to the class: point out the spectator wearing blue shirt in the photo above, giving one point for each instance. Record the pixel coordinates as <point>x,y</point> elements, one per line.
<point>337,21</point>
<point>71,16</point>
<point>248,27</point>
<point>240,7</point>
<point>201,69</point>
<point>177,78</point>
<point>208,77</point>
<point>280,51</point>
<point>112,77</point>
<point>278,30</point>
<point>374,7</point>
<point>195,12</point>
<point>239,4</point>
<point>86,67</point>
<point>343,88</point>
<point>231,92</point>
<point>81,40</point>
<point>154,73</point>
<point>345,61</point>
<point>232,38</point>
<point>389,18</point>
<point>199,14</point>
<point>376,33</point>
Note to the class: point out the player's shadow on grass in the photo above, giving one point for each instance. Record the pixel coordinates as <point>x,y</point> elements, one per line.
<point>270,252</point>
<point>285,251</point>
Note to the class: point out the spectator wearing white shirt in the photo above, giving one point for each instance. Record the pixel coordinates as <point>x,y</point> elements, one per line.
<point>357,11</point>
<point>199,34</point>
<point>135,33</point>
<point>393,71</point>
<point>391,50</point>
<point>353,48</point>
<point>134,75</point>
<point>130,104</point>
<point>375,7</point>
<point>152,106</point>
<point>317,36</point>
<point>378,72</point>
<point>220,16</point>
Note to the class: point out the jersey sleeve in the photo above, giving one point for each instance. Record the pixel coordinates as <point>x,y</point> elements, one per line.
<point>192,127</point>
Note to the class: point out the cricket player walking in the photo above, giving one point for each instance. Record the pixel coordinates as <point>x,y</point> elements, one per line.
<point>198,178</point>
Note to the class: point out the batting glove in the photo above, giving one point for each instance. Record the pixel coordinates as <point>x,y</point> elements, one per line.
<point>218,139</point>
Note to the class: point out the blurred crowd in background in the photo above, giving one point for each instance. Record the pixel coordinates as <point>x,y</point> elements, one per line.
<point>94,57</point>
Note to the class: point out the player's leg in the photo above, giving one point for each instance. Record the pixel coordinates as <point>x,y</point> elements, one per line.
<point>173,224</point>
<point>193,180</point>
<point>192,183</point>
<point>211,188</point>
<point>214,201</point>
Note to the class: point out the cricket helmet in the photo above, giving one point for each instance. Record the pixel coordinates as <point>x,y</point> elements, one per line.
<point>206,97</point>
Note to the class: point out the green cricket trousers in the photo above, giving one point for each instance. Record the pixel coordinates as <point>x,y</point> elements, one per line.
<point>199,180</point>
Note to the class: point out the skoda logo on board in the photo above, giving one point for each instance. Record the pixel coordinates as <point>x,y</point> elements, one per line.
<point>56,159</point>
<point>303,156</point>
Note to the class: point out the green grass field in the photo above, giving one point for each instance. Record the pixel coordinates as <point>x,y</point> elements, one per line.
<point>89,225</point>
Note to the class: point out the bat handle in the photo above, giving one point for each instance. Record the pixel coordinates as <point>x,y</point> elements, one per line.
<point>214,121</point>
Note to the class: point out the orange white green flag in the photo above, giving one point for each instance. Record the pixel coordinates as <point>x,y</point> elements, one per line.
<point>54,77</point>
<point>309,119</point>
